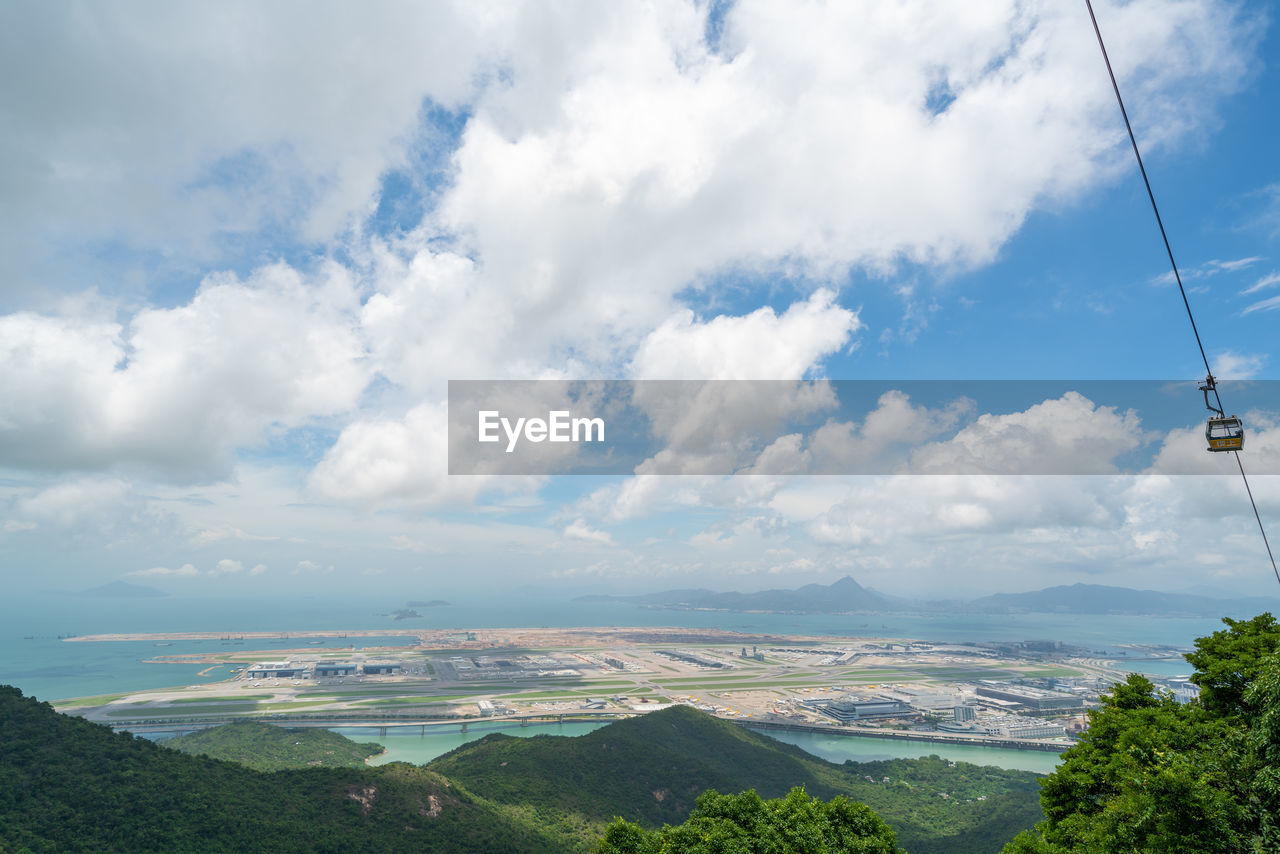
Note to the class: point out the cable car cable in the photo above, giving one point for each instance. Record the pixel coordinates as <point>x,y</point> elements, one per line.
<point>1265,542</point>
<point>1212,386</point>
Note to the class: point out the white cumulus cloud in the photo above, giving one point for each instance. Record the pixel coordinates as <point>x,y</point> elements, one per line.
<point>581,531</point>
<point>180,387</point>
<point>184,571</point>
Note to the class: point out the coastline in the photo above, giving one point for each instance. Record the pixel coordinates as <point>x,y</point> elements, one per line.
<point>490,638</point>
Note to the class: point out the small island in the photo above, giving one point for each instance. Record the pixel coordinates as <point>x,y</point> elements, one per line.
<point>405,614</point>
<point>408,612</point>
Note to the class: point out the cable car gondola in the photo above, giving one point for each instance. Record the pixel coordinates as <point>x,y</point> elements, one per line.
<point>1224,433</point>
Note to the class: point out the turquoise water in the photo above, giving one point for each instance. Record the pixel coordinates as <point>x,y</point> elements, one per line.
<point>410,744</point>
<point>1164,667</point>
<point>840,748</point>
<point>53,669</point>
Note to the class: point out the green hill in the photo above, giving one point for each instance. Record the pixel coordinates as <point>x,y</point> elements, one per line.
<point>67,785</point>
<point>265,747</point>
<point>650,770</point>
<point>70,785</point>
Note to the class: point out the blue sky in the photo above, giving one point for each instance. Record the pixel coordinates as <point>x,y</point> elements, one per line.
<point>235,282</point>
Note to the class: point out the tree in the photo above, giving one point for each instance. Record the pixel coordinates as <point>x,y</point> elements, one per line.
<point>747,824</point>
<point>1262,745</point>
<point>1229,660</point>
<point>1153,775</point>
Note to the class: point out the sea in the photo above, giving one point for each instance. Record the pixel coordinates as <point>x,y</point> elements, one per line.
<point>36,657</point>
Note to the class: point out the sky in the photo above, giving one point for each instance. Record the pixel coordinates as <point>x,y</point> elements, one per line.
<point>244,247</point>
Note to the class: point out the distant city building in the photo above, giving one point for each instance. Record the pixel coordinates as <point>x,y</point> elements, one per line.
<point>1031,698</point>
<point>853,708</point>
<point>924,699</point>
<point>963,714</point>
<point>381,668</point>
<point>1184,690</point>
<point>1010,726</point>
<point>651,707</point>
<point>275,670</point>
<point>333,668</point>
<point>692,658</point>
<point>950,726</point>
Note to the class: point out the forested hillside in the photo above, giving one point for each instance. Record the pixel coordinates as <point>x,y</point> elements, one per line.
<point>70,785</point>
<point>651,769</point>
<point>265,747</point>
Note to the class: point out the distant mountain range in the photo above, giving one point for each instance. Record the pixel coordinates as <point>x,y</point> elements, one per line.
<point>1101,599</point>
<point>843,595</point>
<point>848,595</point>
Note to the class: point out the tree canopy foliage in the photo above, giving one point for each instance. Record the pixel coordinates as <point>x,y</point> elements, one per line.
<point>265,747</point>
<point>1228,662</point>
<point>1154,775</point>
<point>747,824</point>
